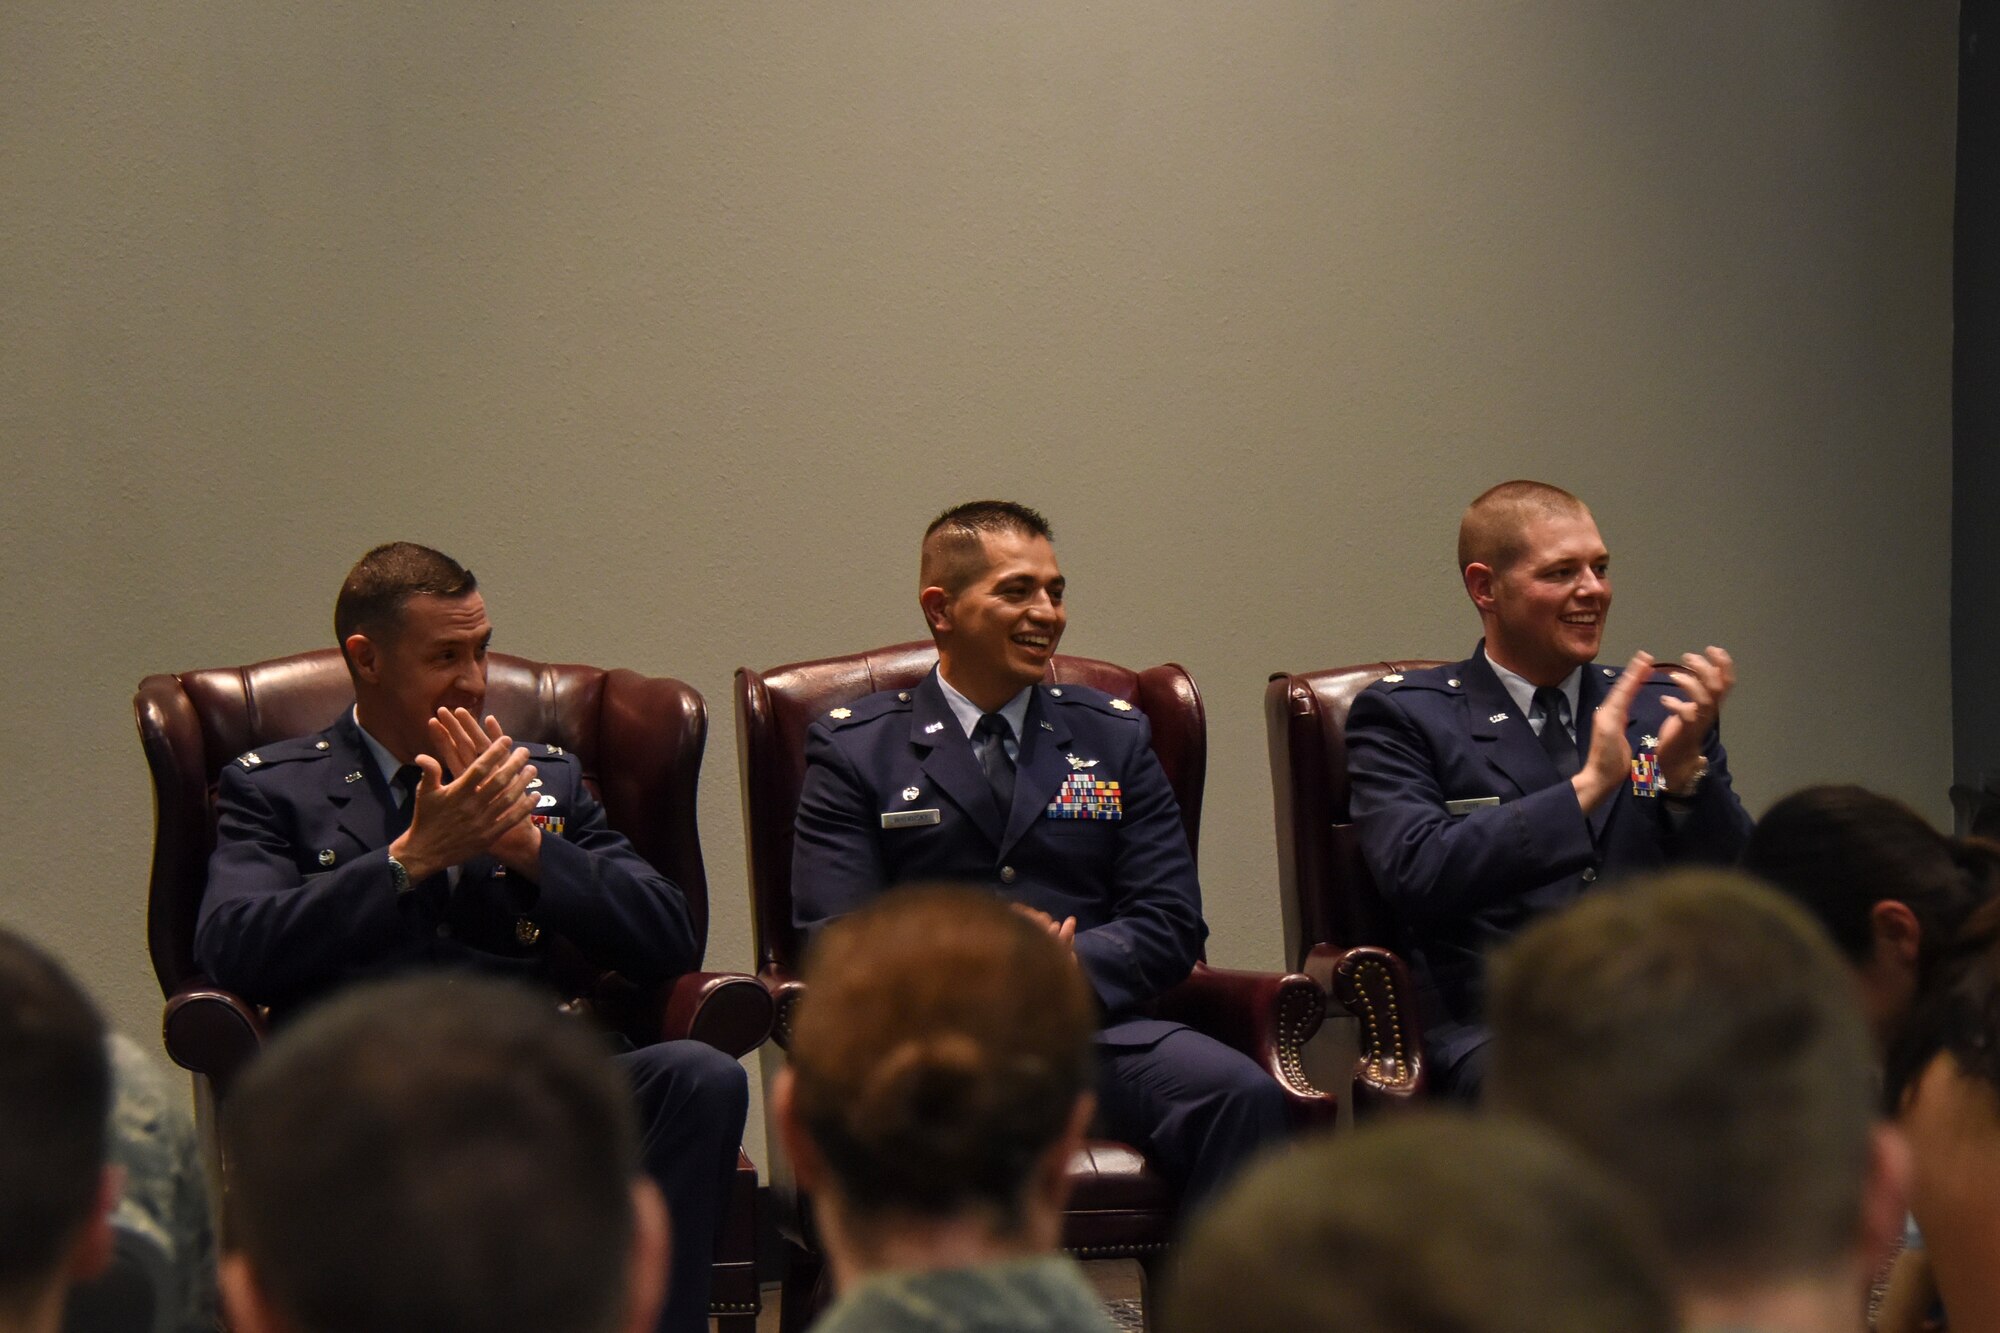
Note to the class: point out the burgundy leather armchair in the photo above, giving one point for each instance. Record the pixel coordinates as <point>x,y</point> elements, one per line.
<point>1339,929</point>
<point>640,740</point>
<point>1119,1207</point>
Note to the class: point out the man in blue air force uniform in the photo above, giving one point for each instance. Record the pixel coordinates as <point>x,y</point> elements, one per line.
<point>410,835</point>
<point>1497,789</point>
<point>1051,796</point>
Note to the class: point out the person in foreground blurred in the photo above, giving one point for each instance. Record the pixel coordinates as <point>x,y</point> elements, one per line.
<point>1698,1036</point>
<point>1943,1078</point>
<point>438,1155</point>
<point>1891,890</point>
<point>1436,1222</point>
<point>56,1191</point>
<point>940,1078</point>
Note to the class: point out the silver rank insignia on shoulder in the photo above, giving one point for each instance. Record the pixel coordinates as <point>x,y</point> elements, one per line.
<point>841,713</point>
<point>1074,762</point>
<point>911,793</point>
<point>933,728</point>
<point>555,752</point>
<point>251,760</point>
<point>1650,742</point>
<point>326,856</point>
<point>1121,705</point>
<point>1497,717</point>
<point>1393,678</point>
<point>355,776</point>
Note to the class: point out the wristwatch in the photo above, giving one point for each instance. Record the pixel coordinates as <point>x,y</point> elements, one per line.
<point>1679,797</point>
<point>399,877</point>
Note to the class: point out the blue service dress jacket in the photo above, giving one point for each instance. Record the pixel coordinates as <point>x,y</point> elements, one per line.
<point>300,898</point>
<point>894,794</point>
<point>1470,833</point>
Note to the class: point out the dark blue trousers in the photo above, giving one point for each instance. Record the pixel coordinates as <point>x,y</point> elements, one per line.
<point>692,1100</point>
<point>1197,1108</point>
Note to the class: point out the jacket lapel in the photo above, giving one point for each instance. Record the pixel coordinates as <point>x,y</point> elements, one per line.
<point>362,805</point>
<point>1510,744</point>
<point>1596,685</point>
<point>948,759</point>
<point>1040,769</point>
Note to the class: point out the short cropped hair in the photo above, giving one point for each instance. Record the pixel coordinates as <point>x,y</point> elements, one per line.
<point>1431,1223</point>
<point>55,1097</point>
<point>1492,530</point>
<point>1698,1036</point>
<point>954,552</point>
<point>1840,850</point>
<point>435,1155</point>
<point>941,1046</point>
<point>372,597</point>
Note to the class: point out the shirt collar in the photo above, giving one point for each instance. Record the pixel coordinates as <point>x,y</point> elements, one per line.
<point>385,763</point>
<point>968,713</point>
<point>1522,691</point>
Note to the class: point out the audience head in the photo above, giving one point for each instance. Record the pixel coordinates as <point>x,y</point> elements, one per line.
<point>992,595</point>
<point>941,1067</point>
<point>1698,1036</point>
<point>1889,888</point>
<point>442,1155</point>
<point>1943,1080</point>
<point>413,628</point>
<point>1434,1222</point>
<point>1534,564</point>
<point>55,1099</point>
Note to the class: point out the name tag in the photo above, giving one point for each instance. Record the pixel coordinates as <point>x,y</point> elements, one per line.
<point>910,818</point>
<point>1469,804</point>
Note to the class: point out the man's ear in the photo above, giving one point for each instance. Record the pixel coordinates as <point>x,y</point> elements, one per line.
<point>936,603</point>
<point>1897,931</point>
<point>807,1165</point>
<point>1885,1194</point>
<point>91,1252</point>
<point>363,658</point>
<point>248,1308</point>
<point>646,1271</point>
<point>1479,579</point>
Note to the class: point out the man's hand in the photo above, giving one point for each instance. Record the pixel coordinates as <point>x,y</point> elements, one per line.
<point>1065,933</point>
<point>1706,678</point>
<point>460,740</point>
<point>1610,761</point>
<point>457,820</point>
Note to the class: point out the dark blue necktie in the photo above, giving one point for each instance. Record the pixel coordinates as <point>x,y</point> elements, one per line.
<point>989,741</point>
<point>406,780</point>
<point>1555,731</point>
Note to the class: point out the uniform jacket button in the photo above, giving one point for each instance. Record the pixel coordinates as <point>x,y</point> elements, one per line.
<point>1007,875</point>
<point>1590,874</point>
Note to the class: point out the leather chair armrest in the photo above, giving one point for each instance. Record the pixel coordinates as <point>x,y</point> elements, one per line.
<point>728,1010</point>
<point>211,1031</point>
<point>1373,986</point>
<point>1269,1016</point>
<point>785,991</point>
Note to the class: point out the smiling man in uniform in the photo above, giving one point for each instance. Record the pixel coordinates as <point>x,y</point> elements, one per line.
<point>412,835</point>
<point>1493,790</point>
<point>1051,797</point>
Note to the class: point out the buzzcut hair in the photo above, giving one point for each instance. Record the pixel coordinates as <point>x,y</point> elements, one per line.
<point>55,1098</point>
<point>1438,1221</point>
<point>372,597</point>
<point>1840,850</point>
<point>940,1049</point>
<point>1699,1037</point>
<point>435,1155</point>
<point>954,550</point>
<point>1492,530</point>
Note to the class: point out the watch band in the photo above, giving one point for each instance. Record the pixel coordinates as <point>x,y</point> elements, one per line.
<point>1679,797</point>
<point>399,877</point>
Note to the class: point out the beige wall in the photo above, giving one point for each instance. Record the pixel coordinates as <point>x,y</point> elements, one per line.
<point>677,321</point>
